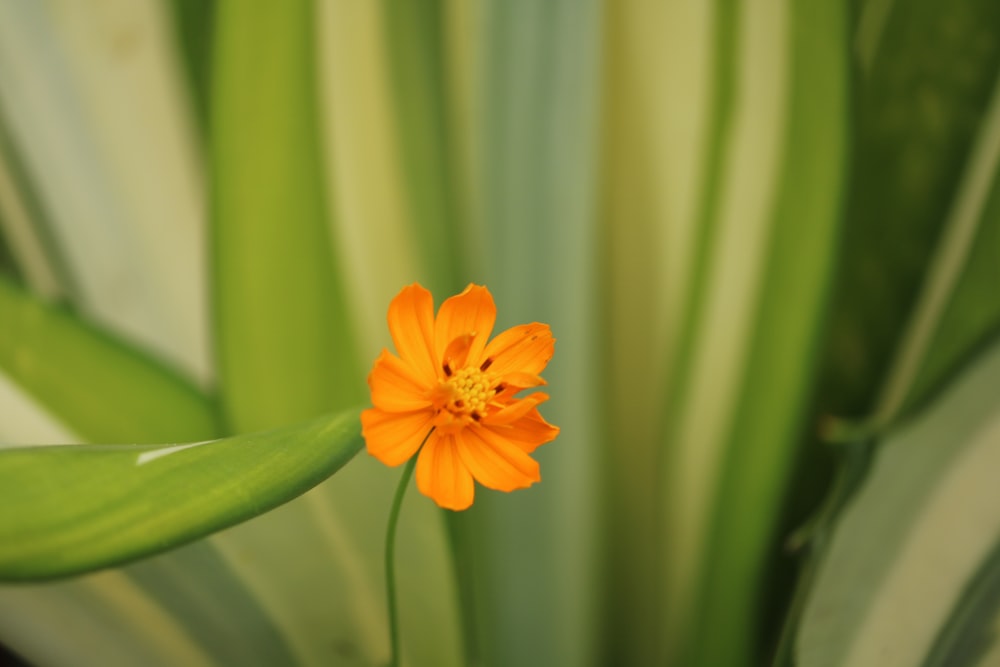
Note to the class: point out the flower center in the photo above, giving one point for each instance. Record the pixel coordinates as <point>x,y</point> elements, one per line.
<point>471,391</point>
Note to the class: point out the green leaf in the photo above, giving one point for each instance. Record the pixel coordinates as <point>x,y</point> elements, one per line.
<point>72,509</point>
<point>922,88</point>
<point>742,396</point>
<point>917,295</point>
<point>656,53</point>
<point>193,22</point>
<point>899,577</point>
<point>955,307</point>
<point>29,248</point>
<point>102,389</point>
<point>372,221</point>
<point>285,352</point>
<point>536,136</point>
<point>280,313</point>
<point>971,312</point>
<point>970,630</point>
<point>126,228</point>
<point>415,43</point>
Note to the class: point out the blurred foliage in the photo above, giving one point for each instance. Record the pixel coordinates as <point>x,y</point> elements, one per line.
<point>754,228</point>
<point>920,93</point>
<point>194,22</point>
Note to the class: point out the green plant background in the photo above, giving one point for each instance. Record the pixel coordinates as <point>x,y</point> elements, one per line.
<point>765,234</point>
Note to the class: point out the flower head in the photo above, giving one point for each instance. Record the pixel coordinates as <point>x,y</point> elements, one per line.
<point>451,382</point>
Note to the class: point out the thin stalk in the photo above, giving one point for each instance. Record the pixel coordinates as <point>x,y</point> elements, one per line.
<point>390,551</point>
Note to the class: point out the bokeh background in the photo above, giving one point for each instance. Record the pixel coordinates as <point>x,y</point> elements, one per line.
<point>765,234</point>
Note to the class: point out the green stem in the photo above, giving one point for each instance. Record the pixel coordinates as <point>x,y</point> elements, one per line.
<point>390,549</point>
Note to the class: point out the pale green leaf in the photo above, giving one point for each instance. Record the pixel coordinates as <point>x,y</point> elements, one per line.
<point>184,607</point>
<point>919,532</point>
<point>94,105</point>
<point>535,140</point>
<point>27,249</point>
<point>969,637</point>
<point>380,248</point>
<point>655,159</point>
<point>26,421</point>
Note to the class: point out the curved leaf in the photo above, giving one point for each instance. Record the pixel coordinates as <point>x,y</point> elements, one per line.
<point>919,531</point>
<point>126,227</point>
<point>71,509</point>
<point>102,389</point>
<point>969,633</point>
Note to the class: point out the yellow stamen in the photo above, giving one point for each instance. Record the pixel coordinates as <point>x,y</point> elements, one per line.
<point>471,391</point>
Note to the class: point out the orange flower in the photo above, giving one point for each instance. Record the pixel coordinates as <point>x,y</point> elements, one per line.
<point>449,379</point>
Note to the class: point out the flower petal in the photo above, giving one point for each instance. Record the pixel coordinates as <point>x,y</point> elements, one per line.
<point>396,386</point>
<point>494,461</point>
<point>529,432</point>
<point>516,410</point>
<point>411,323</point>
<point>521,381</point>
<point>471,312</point>
<point>442,476</point>
<point>526,348</point>
<point>393,437</point>
<point>456,354</point>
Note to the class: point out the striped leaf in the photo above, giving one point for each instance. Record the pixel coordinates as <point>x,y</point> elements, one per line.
<point>920,311</point>
<point>285,339</point>
<point>534,147</point>
<point>768,237</point>
<point>92,101</point>
<point>909,574</point>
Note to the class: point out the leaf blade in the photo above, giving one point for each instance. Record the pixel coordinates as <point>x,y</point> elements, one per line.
<point>917,531</point>
<point>741,408</point>
<point>280,313</point>
<point>62,515</point>
<point>89,380</point>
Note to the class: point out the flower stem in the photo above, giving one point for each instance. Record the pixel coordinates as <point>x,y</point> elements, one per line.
<point>390,549</point>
